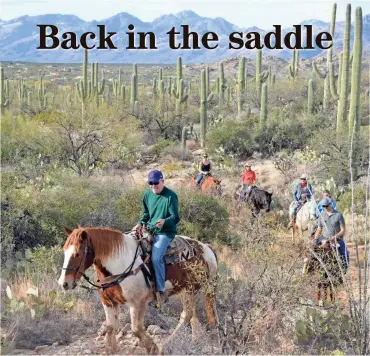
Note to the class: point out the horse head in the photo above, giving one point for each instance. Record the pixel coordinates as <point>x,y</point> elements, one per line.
<point>78,257</point>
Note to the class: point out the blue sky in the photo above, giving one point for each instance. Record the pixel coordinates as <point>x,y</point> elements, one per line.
<point>246,13</point>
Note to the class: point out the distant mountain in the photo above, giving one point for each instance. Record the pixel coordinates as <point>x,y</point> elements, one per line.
<point>19,38</point>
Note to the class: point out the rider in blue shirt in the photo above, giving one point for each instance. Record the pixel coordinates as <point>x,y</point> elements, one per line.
<point>320,208</point>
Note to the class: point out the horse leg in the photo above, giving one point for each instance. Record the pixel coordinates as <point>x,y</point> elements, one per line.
<point>111,316</point>
<point>196,327</point>
<point>137,313</point>
<point>186,314</point>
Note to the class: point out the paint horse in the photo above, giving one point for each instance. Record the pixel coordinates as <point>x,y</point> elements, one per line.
<point>329,268</point>
<point>123,278</point>
<point>208,185</point>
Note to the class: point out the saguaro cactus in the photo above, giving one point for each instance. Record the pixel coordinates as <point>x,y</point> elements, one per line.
<point>310,99</point>
<point>261,77</point>
<point>354,109</point>
<point>263,112</point>
<point>329,60</point>
<point>181,97</point>
<point>184,136</point>
<point>204,99</point>
<point>133,91</point>
<point>4,101</point>
<point>343,97</point>
<point>241,84</point>
<point>293,67</point>
<point>222,85</point>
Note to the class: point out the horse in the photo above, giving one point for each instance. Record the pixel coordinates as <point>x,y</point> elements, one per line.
<point>209,185</point>
<point>123,278</point>
<point>329,266</point>
<point>259,198</point>
<point>306,216</point>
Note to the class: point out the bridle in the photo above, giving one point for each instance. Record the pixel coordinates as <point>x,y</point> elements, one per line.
<point>118,278</point>
<point>88,250</point>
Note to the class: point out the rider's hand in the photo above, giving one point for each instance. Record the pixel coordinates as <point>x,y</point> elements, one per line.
<point>136,227</point>
<point>160,223</point>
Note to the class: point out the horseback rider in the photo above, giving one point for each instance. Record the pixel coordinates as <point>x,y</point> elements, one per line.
<point>320,209</point>
<point>302,193</point>
<point>204,169</point>
<point>160,212</point>
<point>331,228</point>
<point>248,179</point>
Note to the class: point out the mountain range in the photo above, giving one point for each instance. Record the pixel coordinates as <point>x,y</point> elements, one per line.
<point>19,39</point>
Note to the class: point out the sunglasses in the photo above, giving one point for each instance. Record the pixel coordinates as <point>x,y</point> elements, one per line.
<point>325,206</point>
<point>153,183</point>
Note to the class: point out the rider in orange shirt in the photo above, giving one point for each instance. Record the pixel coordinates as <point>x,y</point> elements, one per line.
<point>248,179</point>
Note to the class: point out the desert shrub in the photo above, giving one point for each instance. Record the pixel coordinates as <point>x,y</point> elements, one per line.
<point>359,200</point>
<point>233,136</point>
<point>202,217</point>
<point>161,145</point>
<point>177,153</point>
<point>333,150</point>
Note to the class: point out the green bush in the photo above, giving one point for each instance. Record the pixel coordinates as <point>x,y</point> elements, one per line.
<point>359,200</point>
<point>202,217</point>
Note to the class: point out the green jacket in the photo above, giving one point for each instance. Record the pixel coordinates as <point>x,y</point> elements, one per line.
<point>161,206</point>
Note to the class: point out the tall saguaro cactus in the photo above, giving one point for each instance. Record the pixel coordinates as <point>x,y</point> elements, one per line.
<point>293,67</point>
<point>241,84</point>
<point>4,101</point>
<point>261,77</point>
<point>84,87</point>
<point>133,93</point>
<point>263,112</point>
<point>343,97</point>
<point>354,109</point>
<point>222,85</point>
<point>310,102</point>
<point>329,60</point>
<point>204,99</point>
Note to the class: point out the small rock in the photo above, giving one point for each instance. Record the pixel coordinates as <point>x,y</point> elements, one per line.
<point>126,328</point>
<point>155,330</point>
<point>87,352</point>
<point>55,344</point>
<point>119,335</point>
<point>42,348</point>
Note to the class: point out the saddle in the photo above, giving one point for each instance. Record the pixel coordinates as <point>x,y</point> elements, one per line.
<point>179,249</point>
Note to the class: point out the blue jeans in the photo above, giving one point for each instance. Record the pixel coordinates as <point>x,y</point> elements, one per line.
<point>161,242</point>
<point>244,191</point>
<point>199,179</point>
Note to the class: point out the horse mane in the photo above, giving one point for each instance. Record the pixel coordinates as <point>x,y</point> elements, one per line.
<point>105,241</point>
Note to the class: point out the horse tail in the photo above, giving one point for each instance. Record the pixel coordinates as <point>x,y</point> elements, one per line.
<point>210,295</point>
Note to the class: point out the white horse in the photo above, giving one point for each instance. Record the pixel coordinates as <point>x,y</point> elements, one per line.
<point>305,218</point>
<point>119,267</point>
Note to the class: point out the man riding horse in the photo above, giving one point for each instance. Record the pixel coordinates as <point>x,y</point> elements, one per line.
<point>302,192</point>
<point>160,213</point>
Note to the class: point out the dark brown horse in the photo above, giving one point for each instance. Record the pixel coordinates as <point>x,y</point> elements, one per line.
<point>122,278</point>
<point>328,267</point>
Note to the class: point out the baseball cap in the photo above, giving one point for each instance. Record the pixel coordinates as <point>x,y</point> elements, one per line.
<point>303,176</point>
<point>326,202</point>
<point>155,176</point>
<point>248,165</point>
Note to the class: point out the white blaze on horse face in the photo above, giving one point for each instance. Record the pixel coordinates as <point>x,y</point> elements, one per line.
<point>67,257</point>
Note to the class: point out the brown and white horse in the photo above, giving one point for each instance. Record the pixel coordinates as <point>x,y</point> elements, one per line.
<point>113,253</point>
